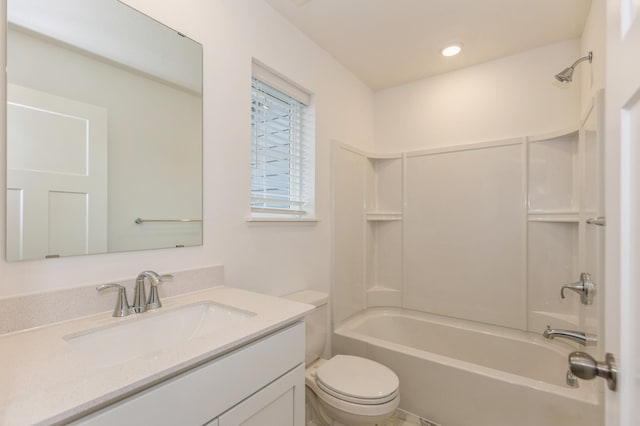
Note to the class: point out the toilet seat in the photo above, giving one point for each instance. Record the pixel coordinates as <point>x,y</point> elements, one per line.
<point>357,380</point>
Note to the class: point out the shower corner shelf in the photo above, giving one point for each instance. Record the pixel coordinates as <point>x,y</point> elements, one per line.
<point>557,135</point>
<point>378,296</point>
<point>383,216</point>
<point>554,216</point>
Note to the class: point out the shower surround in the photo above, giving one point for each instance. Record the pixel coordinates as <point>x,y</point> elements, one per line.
<point>484,232</point>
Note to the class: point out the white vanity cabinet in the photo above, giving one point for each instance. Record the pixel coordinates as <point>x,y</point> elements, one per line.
<point>276,405</point>
<point>261,383</point>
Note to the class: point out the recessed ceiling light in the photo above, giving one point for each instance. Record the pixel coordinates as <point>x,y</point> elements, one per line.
<point>452,50</point>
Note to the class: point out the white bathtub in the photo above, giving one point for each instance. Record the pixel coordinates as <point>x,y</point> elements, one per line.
<point>461,373</point>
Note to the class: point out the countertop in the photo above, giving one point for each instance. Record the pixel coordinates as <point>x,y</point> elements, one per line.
<point>43,380</point>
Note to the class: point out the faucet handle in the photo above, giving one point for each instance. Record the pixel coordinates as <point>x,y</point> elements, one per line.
<point>585,288</point>
<point>154,298</point>
<point>122,308</point>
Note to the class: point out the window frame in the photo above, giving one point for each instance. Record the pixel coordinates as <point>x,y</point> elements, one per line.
<point>282,145</point>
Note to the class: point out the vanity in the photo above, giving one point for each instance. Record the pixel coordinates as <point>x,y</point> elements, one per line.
<point>220,356</point>
<point>104,155</point>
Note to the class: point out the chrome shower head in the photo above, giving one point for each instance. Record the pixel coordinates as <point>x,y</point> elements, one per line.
<point>566,75</point>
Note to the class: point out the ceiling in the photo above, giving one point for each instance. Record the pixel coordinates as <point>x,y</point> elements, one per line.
<point>390,42</point>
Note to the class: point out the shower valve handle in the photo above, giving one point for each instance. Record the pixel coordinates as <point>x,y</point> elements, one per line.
<point>585,288</point>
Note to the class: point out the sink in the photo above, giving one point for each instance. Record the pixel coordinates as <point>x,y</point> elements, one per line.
<point>144,335</point>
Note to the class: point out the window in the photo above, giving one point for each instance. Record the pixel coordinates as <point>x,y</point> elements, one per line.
<point>282,157</point>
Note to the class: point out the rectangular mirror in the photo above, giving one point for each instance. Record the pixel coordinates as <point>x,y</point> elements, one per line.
<point>104,131</point>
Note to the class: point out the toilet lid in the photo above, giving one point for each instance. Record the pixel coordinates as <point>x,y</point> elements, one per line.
<point>357,380</point>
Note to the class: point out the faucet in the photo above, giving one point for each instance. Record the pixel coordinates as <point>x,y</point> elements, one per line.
<point>577,336</point>
<point>140,301</point>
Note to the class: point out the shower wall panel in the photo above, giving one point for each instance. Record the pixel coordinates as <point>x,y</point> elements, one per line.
<point>553,260</point>
<point>348,233</point>
<point>465,243</point>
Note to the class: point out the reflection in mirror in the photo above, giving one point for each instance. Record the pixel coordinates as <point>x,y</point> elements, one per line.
<point>104,126</point>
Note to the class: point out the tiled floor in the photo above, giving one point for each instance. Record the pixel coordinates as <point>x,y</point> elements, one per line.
<point>402,418</point>
<point>394,421</point>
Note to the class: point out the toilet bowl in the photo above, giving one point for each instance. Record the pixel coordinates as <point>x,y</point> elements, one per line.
<point>344,390</point>
<point>352,390</point>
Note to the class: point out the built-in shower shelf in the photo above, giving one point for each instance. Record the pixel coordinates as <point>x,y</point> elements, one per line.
<point>558,135</point>
<point>554,216</point>
<point>383,296</point>
<point>383,216</point>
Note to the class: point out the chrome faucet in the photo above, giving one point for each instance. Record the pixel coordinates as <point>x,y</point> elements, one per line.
<point>140,301</point>
<point>577,336</point>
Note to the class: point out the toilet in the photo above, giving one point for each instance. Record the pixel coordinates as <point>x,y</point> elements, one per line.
<point>344,390</point>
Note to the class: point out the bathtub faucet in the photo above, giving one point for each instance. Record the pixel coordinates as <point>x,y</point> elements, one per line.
<point>577,336</point>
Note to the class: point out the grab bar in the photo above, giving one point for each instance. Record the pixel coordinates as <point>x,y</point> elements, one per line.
<point>139,220</point>
<point>600,221</point>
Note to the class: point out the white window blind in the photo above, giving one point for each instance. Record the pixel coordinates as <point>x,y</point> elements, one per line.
<point>281,153</point>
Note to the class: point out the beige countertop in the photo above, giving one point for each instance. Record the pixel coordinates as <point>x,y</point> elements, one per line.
<point>44,380</point>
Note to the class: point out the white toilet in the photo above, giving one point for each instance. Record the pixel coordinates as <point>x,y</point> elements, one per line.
<point>344,390</point>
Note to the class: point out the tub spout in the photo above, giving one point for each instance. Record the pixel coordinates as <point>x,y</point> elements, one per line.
<point>577,336</point>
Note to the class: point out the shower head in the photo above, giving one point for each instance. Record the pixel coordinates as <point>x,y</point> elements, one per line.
<point>566,75</point>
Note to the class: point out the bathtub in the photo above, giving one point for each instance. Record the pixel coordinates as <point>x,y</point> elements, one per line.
<point>461,373</point>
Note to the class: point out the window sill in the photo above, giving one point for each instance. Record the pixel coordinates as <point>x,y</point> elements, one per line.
<point>310,220</point>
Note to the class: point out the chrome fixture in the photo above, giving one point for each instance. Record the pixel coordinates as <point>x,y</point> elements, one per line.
<point>572,380</point>
<point>140,301</point>
<point>154,298</point>
<point>600,221</point>
<point>577,336</point>
<point>140,220</point>
<point>122,308</point>
<point>566,75</point>
<point>585,367</point>
<point>585,288</point>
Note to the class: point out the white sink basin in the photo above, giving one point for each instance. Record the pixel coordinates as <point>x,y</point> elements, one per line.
<point>143,335</point>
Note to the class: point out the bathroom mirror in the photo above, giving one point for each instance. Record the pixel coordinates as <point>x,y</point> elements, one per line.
<point>104,131</point>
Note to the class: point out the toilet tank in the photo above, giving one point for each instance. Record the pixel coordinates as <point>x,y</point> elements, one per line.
<point>315,322</point>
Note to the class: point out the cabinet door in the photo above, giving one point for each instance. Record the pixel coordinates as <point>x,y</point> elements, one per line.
<point>279,404</point>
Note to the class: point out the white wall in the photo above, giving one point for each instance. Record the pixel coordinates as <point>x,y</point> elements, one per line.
<point>270,258</point>
<point>593,39</point>
<point>508,97</point>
